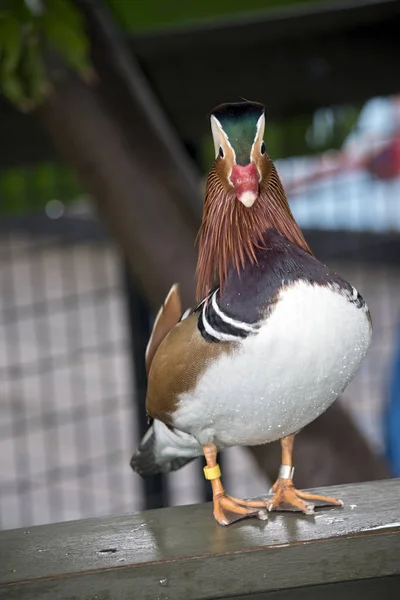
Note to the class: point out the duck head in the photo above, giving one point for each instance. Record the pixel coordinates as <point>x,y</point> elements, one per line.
<point>244,196</point>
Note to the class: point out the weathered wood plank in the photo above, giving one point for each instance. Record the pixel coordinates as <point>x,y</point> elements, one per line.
<point>180,553</point>
<point>387,588</point>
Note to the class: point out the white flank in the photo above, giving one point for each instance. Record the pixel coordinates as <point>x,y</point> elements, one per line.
<point>281,379</point>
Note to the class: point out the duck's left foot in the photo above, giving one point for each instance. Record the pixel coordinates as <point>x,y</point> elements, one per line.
<point>286,497</point>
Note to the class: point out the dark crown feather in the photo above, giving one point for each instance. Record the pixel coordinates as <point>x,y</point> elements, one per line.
<point>237,111</point>
<point>239,121</point>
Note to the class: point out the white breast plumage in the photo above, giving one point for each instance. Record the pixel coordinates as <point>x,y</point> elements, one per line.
<point>284,374</point>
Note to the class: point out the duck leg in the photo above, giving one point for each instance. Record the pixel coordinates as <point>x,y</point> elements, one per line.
<point>286,497</point>
<point>227,510</point>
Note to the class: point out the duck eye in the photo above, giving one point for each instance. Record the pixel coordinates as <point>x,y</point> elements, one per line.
<point>221,152</point>
<point>262,147</point>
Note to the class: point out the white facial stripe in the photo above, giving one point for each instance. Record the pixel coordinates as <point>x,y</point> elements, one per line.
<point>259,133</point>
<point>260,127</point>
<point>223,337</point>
<point>218,135</point>
<point>229,320</point>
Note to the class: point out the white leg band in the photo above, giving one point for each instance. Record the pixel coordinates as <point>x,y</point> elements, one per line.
<point>286,472</point>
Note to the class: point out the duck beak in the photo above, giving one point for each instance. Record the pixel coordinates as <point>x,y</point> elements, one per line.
<point>246,182</point>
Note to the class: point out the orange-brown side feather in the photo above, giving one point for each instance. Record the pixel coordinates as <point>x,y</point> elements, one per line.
<point>168,316</point>
<point>181,359</point>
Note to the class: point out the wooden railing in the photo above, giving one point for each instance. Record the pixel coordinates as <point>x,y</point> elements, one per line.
<point>182,554</point>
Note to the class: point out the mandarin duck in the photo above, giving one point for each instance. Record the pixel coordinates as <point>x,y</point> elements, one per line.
<point>274,340</point>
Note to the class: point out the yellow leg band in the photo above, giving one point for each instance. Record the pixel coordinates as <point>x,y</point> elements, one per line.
<point>212,472</point>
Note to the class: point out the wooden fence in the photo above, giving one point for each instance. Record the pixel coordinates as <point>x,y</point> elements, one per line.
<point>182,554</point>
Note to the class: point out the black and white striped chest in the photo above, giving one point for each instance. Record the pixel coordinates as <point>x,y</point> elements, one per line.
<point>250,297</point>
<point>217,325</point>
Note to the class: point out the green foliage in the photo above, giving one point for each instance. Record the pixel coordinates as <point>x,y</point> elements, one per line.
<point>28,190</point>
<point>26,34</point>
<point>133,16</point>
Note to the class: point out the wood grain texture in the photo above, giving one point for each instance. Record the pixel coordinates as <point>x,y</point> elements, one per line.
<point>386,588</point>
<point>181,553</point>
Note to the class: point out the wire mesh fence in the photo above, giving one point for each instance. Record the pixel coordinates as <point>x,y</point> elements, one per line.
<point>66,396</point>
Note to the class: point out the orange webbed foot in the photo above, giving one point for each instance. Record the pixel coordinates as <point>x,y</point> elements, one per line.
<point>227,509</point>
<point>287,498</point>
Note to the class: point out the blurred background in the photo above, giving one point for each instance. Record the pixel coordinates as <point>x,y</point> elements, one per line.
<point>105,146</point>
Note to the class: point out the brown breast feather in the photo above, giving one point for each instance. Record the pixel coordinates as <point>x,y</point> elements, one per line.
<point>182,357</point>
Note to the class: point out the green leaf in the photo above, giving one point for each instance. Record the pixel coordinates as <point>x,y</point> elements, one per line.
<point>63,29</point>
<point>70,44</point>
<point>25,36</point>
<point>134,16</point>
<point>33,74</point>
<point>20,11</point>
<point>13,90</point>
<point>65,11</point>
<point>10,44</point>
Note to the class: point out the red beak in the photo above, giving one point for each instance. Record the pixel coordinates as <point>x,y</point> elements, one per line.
<point>246,183</point>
